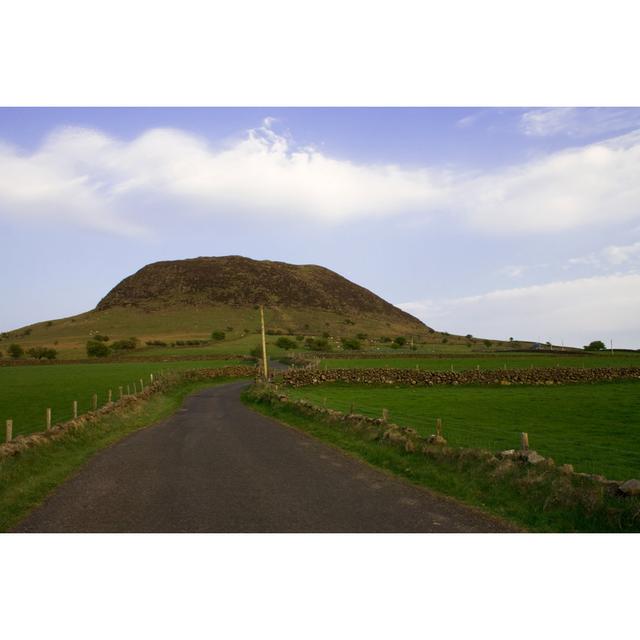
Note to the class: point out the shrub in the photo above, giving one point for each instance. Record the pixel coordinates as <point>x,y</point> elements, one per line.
<point>15,351</point>
<point>318,344</point>
<point>299,338</point>
<point>326,334</point>
<point>256,352</point>
<point>351,343</point>
<point>400,341</point>
<point>362,336</point>
<point>42,352</point>
<point>96,349</point>
<point>487,343</point>
<point>286,343</point>
<point>218,335</point>
<point>123,345</point>
<point>445,340</point>
<point>50,323</point>
<point>156,343</point>
<point>596,345</point>
<point>395,345</point>
<point>101,338</point>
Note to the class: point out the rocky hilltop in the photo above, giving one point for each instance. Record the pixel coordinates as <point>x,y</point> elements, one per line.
<point>238,282</point>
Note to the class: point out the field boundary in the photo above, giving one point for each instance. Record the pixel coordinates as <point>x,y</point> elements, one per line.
<point>421,377</point>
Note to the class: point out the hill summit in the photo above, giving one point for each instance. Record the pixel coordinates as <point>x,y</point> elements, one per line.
<point>238,282</point>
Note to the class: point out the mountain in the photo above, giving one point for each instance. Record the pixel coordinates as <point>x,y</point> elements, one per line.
<point>188,299</point>
<point>241,282</point>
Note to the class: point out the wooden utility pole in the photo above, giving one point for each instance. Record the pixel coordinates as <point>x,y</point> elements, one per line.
<point>264,346</point>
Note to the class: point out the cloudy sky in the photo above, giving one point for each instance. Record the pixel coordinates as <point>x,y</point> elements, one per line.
<point>502,223</point>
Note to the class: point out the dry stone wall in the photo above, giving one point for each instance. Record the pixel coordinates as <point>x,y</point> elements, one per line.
<point>382,376</point>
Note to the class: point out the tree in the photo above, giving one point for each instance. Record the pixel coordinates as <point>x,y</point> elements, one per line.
<point>42,352</point>
<point>318,344</point>
<point>218,336</point>
<point>15,351</point>
<point>596,345</point>
<point>487,343</point>
<point>400,341</point>
<point>97,349</point>
<point>101,338</point>
<point>122,345</point>
<point>352,344</point>
<point>286,343</point>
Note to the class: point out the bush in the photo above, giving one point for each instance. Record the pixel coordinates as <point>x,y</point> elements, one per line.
<point>15,351</point>
<point>218,336</point>
<point>326,334</point>
<point>123,345</point>
<point>101,338</point>
<point>299,338</point>
<point>351,343</point>
<point>286,343</point>
<point>96,349</point>
<point>596,345</point>
<point>400,341</point>
<point>487,343</point>
<point>395,345</point>
<point>318,344</point>
<point>155,343</point>
<point>362,336</point>
<point>256,352</point>
<point>42,352</point>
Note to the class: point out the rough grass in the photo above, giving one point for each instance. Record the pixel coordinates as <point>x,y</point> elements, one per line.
<point>26,479</point>
<point>541,499</point>
<point>595,427</point>
<point>26,392</point>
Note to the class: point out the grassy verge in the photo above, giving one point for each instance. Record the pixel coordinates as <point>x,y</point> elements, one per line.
<point>541,498</point>
<point>26,479</point>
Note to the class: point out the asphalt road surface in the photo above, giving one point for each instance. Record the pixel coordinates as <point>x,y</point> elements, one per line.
<point>217,466</point>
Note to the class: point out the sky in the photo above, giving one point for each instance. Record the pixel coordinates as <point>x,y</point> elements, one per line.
<point>518,222</point>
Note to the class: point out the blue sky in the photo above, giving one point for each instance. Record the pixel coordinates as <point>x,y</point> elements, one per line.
<point>496,222</point>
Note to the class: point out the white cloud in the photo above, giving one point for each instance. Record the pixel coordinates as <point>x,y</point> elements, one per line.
<point>578,121</point>
<point>574,311</point>
<point>579,186</point>
<point>89,178</point>
<point>611,256</point>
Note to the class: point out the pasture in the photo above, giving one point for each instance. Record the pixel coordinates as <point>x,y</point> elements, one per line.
<point>27,391</point>
<point>595,427</point>
<point>493,361</point>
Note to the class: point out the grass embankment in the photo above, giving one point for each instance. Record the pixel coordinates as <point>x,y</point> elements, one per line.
<point>26,392</point>
<point>27,478</point>
<point>493,361</point>
<point>595,427</point>
<point>538,498</point>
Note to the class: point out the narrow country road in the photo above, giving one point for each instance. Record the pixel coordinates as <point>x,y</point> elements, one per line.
<point>217,466</point>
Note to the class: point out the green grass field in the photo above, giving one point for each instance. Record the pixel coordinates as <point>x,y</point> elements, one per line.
<point>594,427</point>
<point>495,361</point>
<point>26,392</point>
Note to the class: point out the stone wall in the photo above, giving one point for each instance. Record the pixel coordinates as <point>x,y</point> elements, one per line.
<point>382,376</point>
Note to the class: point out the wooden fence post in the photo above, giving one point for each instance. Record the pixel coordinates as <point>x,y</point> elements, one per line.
<point>151,378</point>
<point>524,441</point>
<point>385,415</point>
<point>75,409</point>
<point>141,385</point>
<point>439,427</point>
<point>48,414</point>
<point>109,397</point>
<point>351,409</point>
<point>94,401</point>
<point>128,390</point>
<point>9,434</point>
